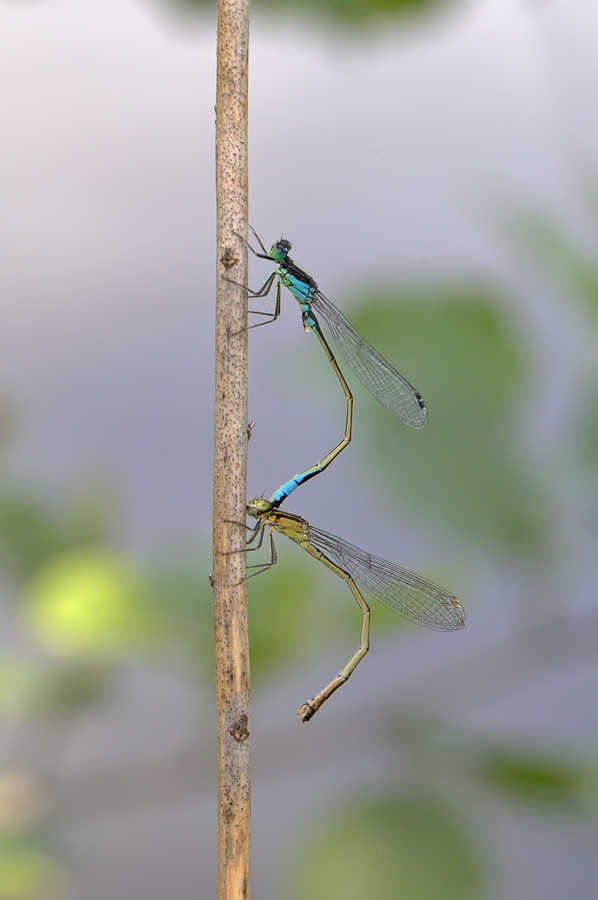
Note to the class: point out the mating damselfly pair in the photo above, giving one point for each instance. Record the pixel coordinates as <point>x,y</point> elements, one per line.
<point>404,592</point>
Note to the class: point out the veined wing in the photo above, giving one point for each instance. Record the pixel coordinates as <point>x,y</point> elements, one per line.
<point>407,594</point>
<point>382,381</point>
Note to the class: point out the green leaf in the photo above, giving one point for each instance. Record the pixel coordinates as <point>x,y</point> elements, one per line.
<point>30,532</point>
<point>28,874</point>
<point>88,603</point>
<point>387,848</point>
<point>34,528</point>
<point>536,777</point>
<point>72,688</point>
<point>347,11</point>
<point>459,348</point>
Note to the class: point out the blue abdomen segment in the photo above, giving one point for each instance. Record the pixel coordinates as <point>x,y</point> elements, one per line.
<point>284,490</point>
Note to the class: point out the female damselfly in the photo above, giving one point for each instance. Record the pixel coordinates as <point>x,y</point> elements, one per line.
<point>417,599</point>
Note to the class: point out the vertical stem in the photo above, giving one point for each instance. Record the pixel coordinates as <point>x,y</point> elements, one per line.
<point>230,457</point>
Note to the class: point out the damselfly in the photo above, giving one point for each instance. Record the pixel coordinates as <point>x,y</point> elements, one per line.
<point>402,591</point>
<point>383,381</point>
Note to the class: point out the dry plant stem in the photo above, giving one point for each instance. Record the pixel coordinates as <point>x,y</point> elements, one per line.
<point>230,457</point>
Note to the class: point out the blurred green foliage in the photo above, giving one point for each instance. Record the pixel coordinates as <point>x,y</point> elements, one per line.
<point>388,847</point>
<point>428,841</point>
<point>88,602</point>
<point>530,774</point>
<point>348,12</point>
<point>460,347</point>
<point>557,252</point>
<point>27,873</point>
<point>34,528</point>
<point>569,267</point>
<point>537,777</point>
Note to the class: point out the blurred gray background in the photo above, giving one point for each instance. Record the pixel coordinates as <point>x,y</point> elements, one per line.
<point>434,166</point>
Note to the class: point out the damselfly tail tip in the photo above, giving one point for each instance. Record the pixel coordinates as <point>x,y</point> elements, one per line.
<point>306,712</point>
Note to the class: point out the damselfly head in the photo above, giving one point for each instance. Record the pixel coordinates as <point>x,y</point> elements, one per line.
<point>280,250</point>
<point>258,507</point>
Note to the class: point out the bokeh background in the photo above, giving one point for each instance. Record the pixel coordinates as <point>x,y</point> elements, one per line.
<point>435,166</point>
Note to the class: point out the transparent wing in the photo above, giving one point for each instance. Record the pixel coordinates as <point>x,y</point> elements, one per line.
<point>382,381</point>
<point>407,594</point>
